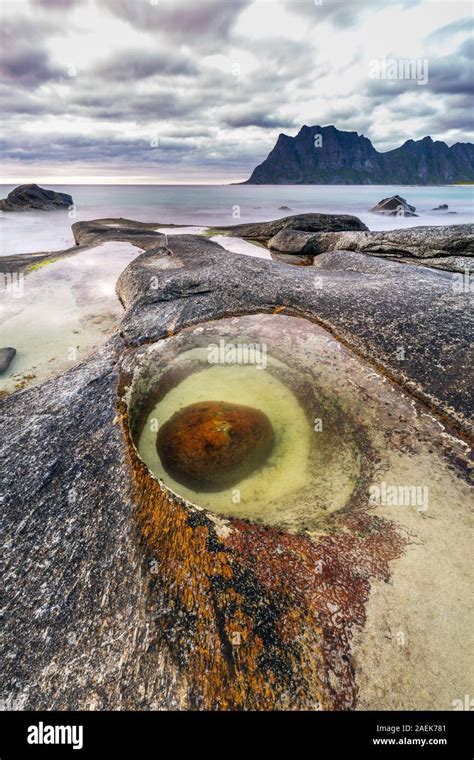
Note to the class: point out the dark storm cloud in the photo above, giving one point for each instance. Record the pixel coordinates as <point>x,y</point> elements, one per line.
<point>179,88</point>
<point>110,150</point>
<point>84,148</point>
<point>12,103</point>
<point>258,118</point>
<point>453,74</point>
<point>460,120</point>
<point>119,102</point>
<point>208,99</point>
<point>380,90</point>
<point>24,59</point>
<point>140,64</point>
<point>179,18</point>
<point>55,5</point>
<point>29,67</point>
<point>448,74</point>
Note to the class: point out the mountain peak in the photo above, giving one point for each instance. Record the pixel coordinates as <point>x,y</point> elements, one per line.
<point>341,157</point>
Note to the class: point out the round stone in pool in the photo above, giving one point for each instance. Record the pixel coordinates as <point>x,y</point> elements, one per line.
<point>212,445</point>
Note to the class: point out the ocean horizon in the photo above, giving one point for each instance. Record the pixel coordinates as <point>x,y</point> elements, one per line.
<point>213,205</point>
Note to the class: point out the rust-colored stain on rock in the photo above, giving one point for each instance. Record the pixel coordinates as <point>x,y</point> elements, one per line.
<point>255,617</point>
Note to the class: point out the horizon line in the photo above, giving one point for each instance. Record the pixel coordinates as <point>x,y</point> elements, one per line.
<point>104,183</point>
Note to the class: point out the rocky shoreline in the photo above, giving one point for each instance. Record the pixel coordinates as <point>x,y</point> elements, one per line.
<point>91,623</point>
<point>448,247</point>
<point>291,239</point>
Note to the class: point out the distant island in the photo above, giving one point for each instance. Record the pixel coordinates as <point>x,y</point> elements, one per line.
<point>329,156</point>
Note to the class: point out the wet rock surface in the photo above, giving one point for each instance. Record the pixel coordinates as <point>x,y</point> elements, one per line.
<point>416,242</point>
<point>6,357</point>
<point>398,305</point>
<point>308,235</point>
<point>263,231</point>
<point>118,597</point>
<point>213,445</point>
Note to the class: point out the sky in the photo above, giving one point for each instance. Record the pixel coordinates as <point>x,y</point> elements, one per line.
<point>197,91</point>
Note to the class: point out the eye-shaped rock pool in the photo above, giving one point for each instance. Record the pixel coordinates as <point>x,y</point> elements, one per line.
<point>279,366</point>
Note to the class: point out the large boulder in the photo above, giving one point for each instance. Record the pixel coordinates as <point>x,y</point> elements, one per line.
<point>212,445</point>
<point>291,241</point>
<point>264,231</point>
<point>394,206</point>
<point>33,197</point>
<point>416,242</point>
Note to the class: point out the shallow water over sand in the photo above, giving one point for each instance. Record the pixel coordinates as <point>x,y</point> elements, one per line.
<point>232,244</point>
<point>61,313</point>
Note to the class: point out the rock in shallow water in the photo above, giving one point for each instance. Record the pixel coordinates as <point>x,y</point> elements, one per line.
<point>213,445</point>
<point>6,357</point>
<point>33,197</point>
<point>394,206</point>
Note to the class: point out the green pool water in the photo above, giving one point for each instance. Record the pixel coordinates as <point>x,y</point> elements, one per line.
<point>315,461</point>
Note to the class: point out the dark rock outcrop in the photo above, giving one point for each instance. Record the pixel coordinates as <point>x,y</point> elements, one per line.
<point>418,242</point>
<point>441,207</point>
<point>35,198</point>
<point>264,231</point>
<point>394,206</point>
<point>329,156</point>
<point>6,357</point>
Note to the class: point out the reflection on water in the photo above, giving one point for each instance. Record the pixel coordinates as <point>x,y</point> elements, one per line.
<point>237,245</point>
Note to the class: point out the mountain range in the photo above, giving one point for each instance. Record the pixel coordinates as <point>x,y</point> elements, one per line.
<point>329,156</point>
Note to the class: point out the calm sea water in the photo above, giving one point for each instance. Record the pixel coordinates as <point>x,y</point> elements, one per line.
<point>222,205</point>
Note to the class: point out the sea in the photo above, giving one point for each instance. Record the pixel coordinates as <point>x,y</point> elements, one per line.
<point>212,205</point>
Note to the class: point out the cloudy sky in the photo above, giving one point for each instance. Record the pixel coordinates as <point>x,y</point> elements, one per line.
<point>191,91</point>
